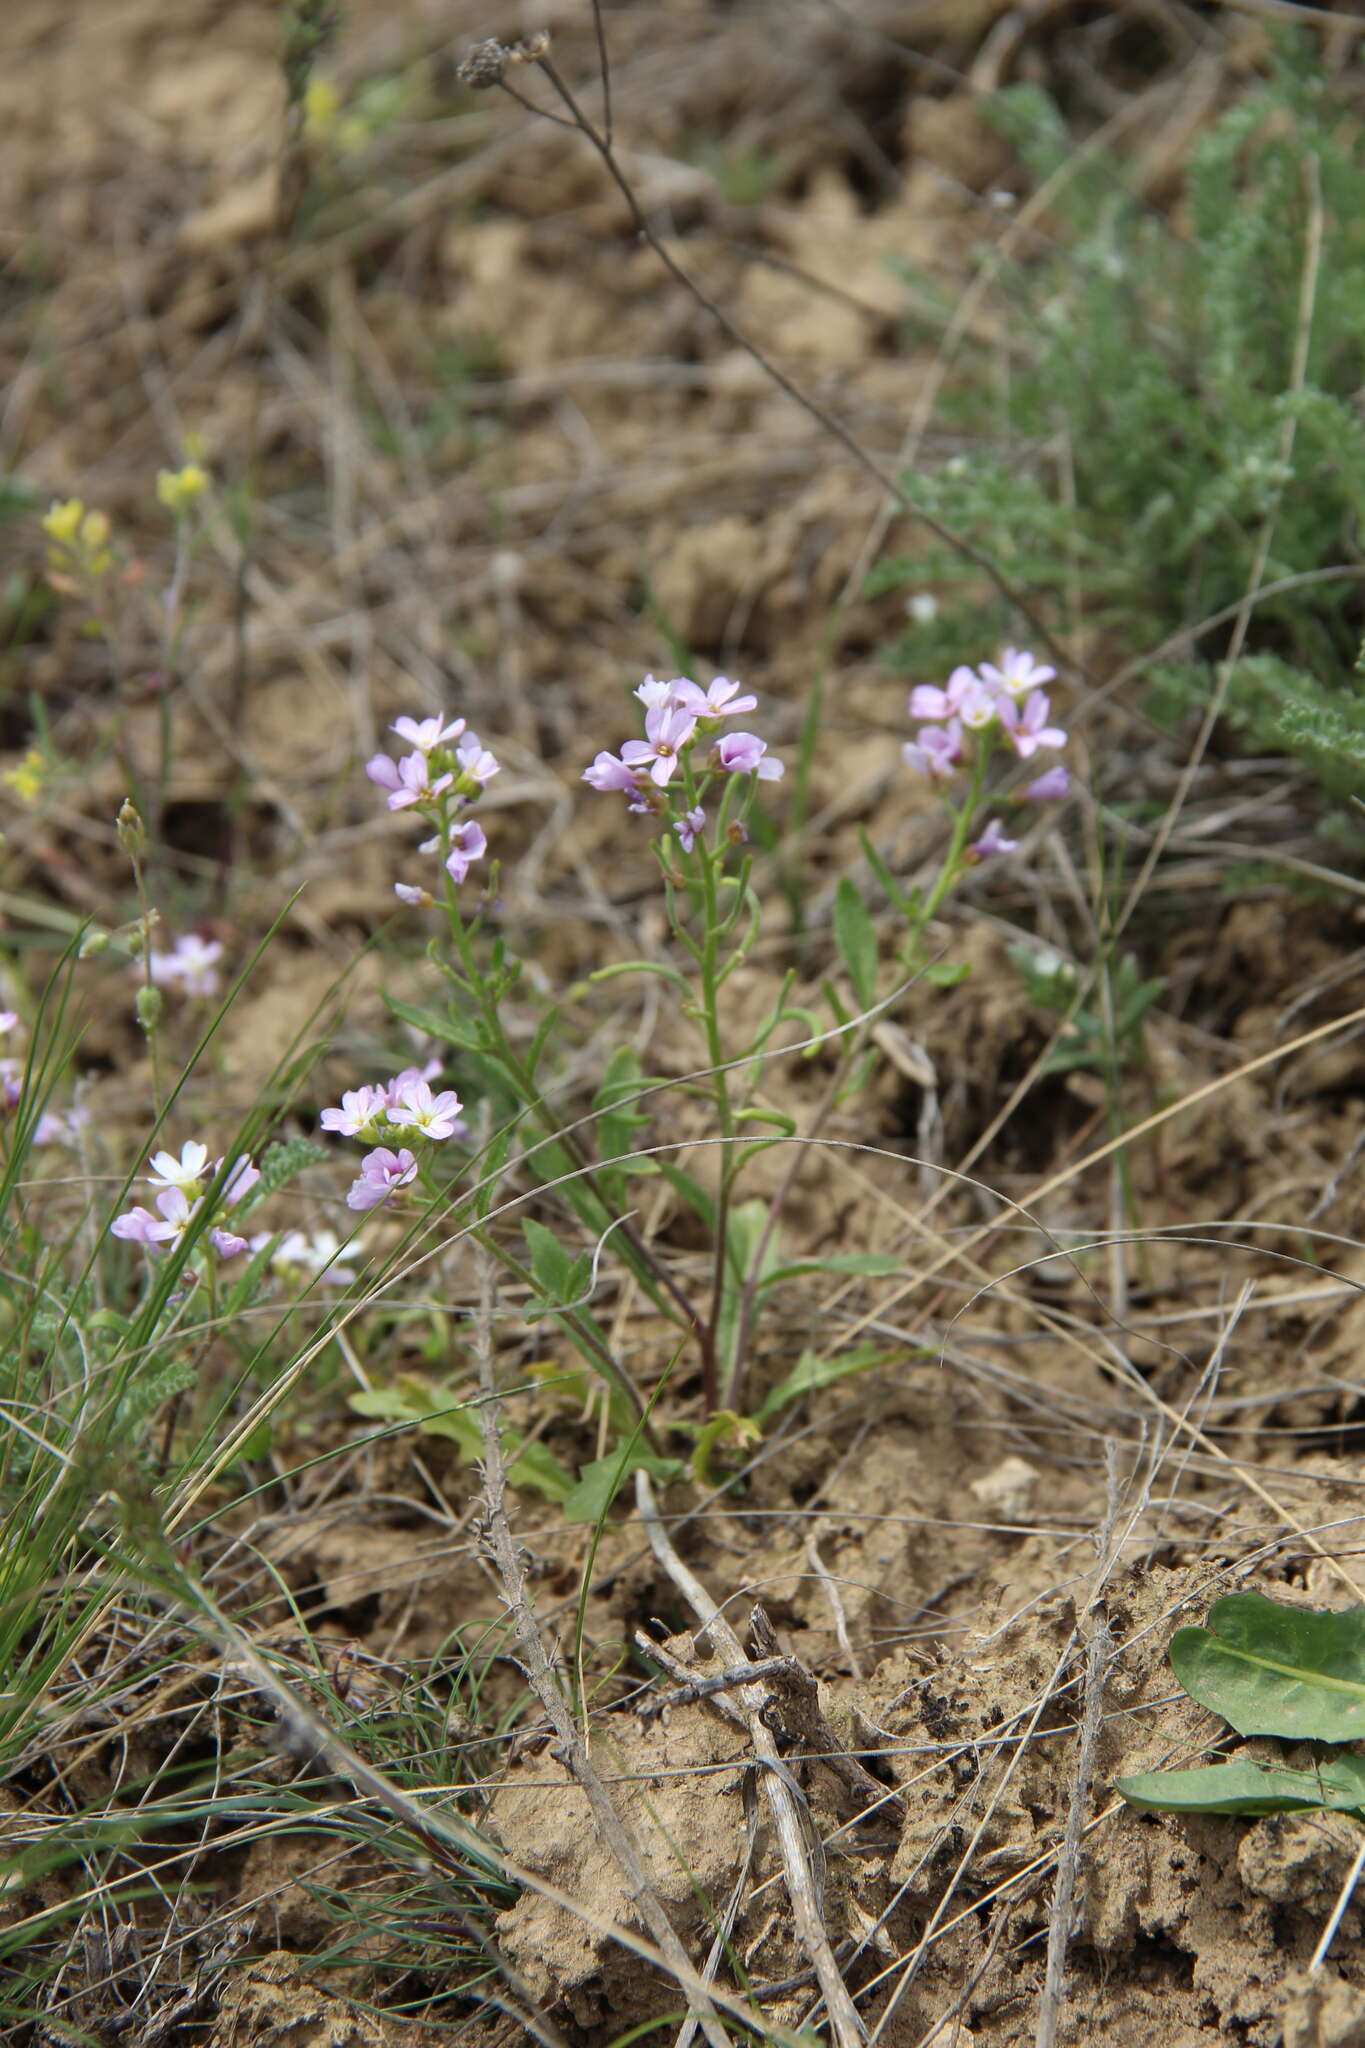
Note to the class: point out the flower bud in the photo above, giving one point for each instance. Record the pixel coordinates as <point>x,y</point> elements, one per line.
<point>129,828</point>
<point>150,1006</point>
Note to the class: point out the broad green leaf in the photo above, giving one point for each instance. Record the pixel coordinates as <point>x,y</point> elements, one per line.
<point>1273,1670</point>
<point>560,1277</point>
<point>947,973</point>
<point>536,1468</point>
<point>856,937</point>
<point>812,1372</point>
<point>1250,1788</point>
<point>600,1482</point>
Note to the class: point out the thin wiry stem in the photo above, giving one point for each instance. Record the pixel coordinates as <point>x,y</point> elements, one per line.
<point>601,141</point>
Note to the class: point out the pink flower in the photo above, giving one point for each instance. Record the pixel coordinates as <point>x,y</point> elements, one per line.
<point>185,1172</point>
<point>978,707</point>
<point>382,1173</point>
<point>55,1128</point>
<point>139,1226</point>
<point>607,773</point>
<point>936,751</point>
<point>468,843</point>
<point>1028,729</point>
<point>926,702</point>
<point>654,695</point>
<point>720,699</point>
<point>394,1090</point>
<point>420,899</point>
<point>668,729</point>
<point>1017,674</point>
<point>383,769</point>
<point>416,1108</point>
<point>360,1113</point>
<point>743,753</point>
<point>992,841</point>
<point>8,1020</point>
<point>189,966</point>
<point>688,826</point>
<point>426,734</point>
<point>1050,786</point>
<point>226,1243</point>
<point>298,1256</point>
<point>475,760</point>
<point>241,1179</point>
<point>415,785</point>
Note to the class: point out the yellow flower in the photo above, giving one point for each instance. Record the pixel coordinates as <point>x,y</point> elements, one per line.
<point>321,105</point>
<point>177,489</point>
<point>62,518</point>
<point>27,779</point>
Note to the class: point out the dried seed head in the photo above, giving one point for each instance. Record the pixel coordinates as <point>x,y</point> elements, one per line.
<point>483,68</point>
<point>488,61</point>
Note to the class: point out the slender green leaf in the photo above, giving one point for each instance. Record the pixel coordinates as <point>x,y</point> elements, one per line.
<point>907,905</point>
<point>1250,1788</point>
<point>812,1372</point>
<point>454,1029</point>
<point>856,937</point>
<point>691,1192</point>
<point>877,1264</point>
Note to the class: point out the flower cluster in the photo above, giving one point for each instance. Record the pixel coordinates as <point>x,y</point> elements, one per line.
<point>679,714</point>
<point>190,966</point>
<point>79,544</point>
<point>404,1106</point>
<point>448,769</point>
<point>183,1186</point>
<point>980,711</point>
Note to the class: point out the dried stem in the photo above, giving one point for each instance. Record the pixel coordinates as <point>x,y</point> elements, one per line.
<point>569,1744</point>
<point>779,1787</point>
<point>1092,1714</point>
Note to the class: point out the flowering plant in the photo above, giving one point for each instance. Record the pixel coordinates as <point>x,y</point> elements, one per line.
<point>694,775</point>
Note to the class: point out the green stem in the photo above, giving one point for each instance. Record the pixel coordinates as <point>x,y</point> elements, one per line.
<point>711,977</point>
